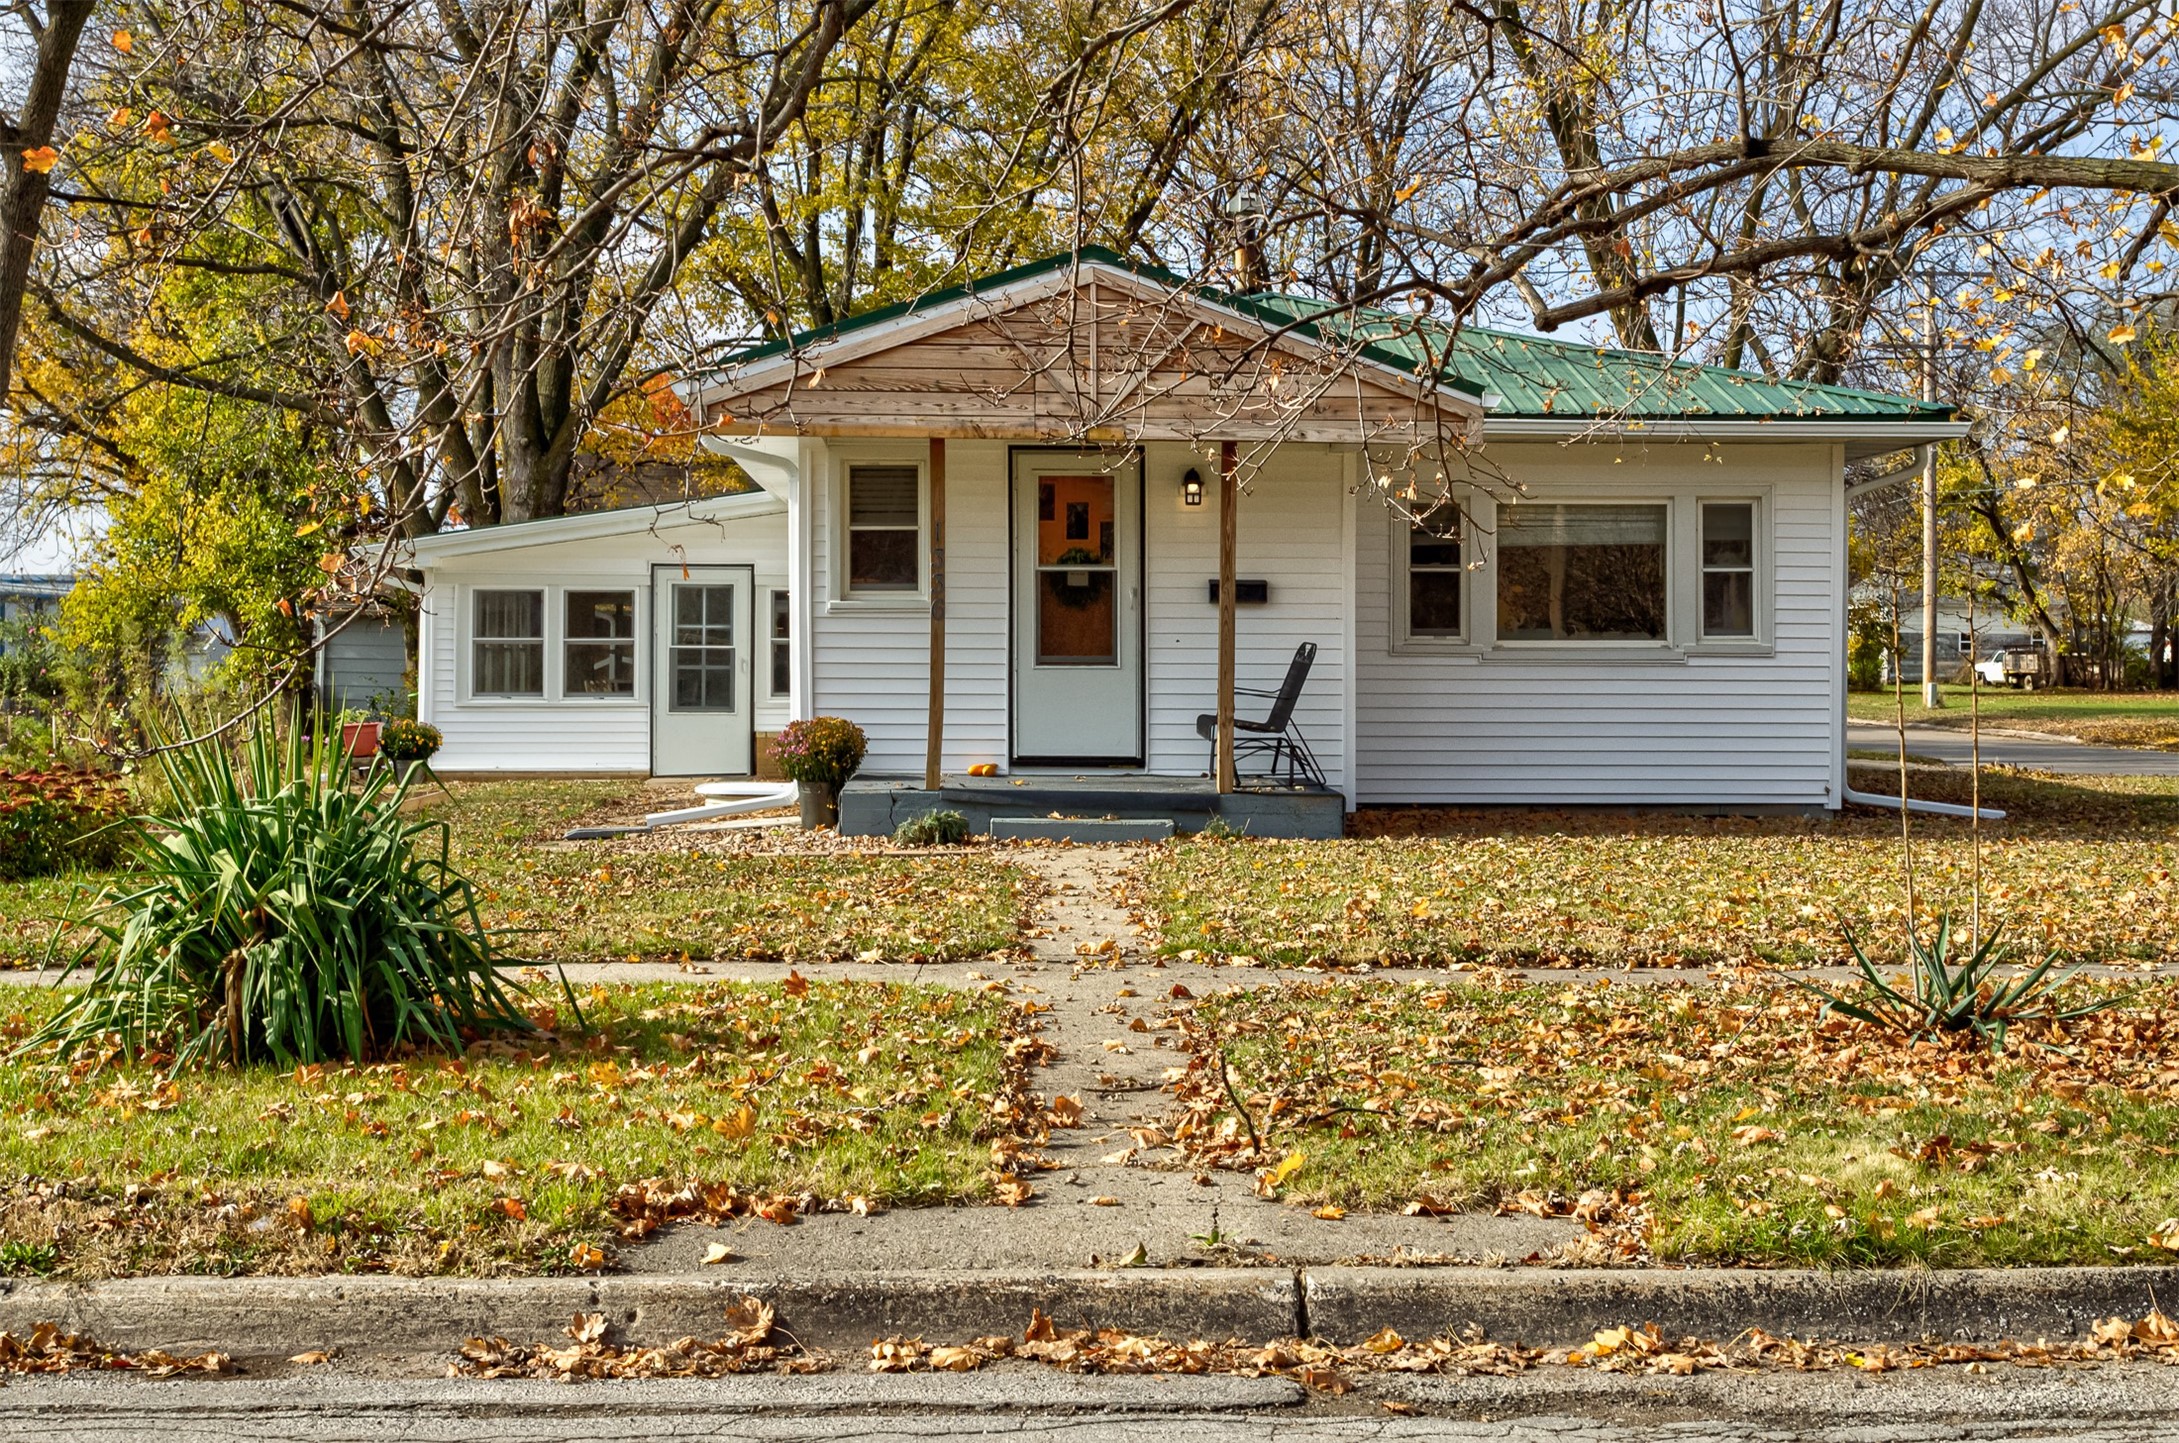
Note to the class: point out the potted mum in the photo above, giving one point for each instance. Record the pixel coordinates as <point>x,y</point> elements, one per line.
<point>819,755</point>
<point>404,740</point>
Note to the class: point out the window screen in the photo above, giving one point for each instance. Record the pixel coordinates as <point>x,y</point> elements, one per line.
<point>509,644</point>
<point>883,528</point>
<point>601,644</point>
<point>1728,568</point>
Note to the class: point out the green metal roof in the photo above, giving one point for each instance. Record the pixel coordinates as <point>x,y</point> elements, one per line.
<point>1536,377</point>
<point>1533,377</point>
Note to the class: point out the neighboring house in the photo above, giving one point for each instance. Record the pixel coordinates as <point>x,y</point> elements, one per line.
<point>361,656</point>
<point>24,596</point>
<point>1660,619</point>
<point>1983,634</point>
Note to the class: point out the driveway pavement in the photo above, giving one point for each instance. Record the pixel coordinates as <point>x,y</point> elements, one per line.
<point>1949,745</point>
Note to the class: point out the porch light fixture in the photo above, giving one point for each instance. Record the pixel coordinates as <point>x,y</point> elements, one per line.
<point>1191,488</point>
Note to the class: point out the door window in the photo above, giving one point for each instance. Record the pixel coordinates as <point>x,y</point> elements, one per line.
<point>700,652</point>
<point>1077,575</point>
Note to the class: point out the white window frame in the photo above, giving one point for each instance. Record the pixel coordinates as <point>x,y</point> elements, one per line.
<point>776,597</point>
<point>555,643</point>
<point>1764,584</point>
<point>472,606</point>
<point>634,642</point>
<point>1592,648</point>
<point>1403,639</point>
<point>841,596</point>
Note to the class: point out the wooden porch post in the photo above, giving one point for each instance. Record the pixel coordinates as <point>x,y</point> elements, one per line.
<point>935,746</point>
<point>1228,485</point>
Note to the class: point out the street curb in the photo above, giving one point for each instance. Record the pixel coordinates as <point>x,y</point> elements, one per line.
<point>1538,1307</point>
<point>268,1317</point>
<point>1547,1307</point>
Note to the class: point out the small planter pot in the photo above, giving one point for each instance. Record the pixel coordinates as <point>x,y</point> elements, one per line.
<point>820,805</point>
<point>361,739</point>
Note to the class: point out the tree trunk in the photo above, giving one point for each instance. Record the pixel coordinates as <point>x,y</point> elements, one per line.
<point>23,193</point>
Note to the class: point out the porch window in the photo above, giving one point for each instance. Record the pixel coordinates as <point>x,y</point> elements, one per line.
<point>1581,572</point>
<point>1728,569</point>
<point>508,657</point>
<point>884,529</point>
<point>601,644</point>
<point>1434,577</point>
<point>782,661</point>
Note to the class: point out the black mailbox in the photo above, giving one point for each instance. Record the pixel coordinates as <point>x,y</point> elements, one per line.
<point>1245,593</point>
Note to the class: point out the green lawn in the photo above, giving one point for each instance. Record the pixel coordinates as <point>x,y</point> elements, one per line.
<point>608,901</point>
<point>2140,719</point>
<point>512,1157</point>
<point>1704,1124</point>
<point>2085,866</point>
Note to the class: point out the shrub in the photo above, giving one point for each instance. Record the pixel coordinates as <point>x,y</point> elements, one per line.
<point>932,829</point>
<point>57,818</point>
<point>1951,995</point>
<point>274,914</point>
<point>406,740</point>
<point>824,751</point>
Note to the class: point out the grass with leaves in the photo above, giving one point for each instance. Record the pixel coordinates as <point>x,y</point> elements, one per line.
<point>602,901</point>
<point>2084,865</point>
<point>1734,1125</point>
<point>511,1156</point>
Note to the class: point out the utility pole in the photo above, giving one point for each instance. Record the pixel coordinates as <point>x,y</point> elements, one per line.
<point>1932,692</point>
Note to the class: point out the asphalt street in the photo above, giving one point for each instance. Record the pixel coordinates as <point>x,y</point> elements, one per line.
<point>1948,745</point>
<point>2107,1404</point>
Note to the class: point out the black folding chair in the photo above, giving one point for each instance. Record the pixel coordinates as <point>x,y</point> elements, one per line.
<point>1276,735</point>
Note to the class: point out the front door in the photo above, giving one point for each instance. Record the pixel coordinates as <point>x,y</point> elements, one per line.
<point>1077,608</point>
<point>700,671</point>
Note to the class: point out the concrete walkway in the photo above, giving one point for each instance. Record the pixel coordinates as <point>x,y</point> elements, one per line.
<point>2052,754</point>
<point>1116,1193</point>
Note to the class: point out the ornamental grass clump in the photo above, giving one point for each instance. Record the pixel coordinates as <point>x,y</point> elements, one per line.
<point>1951,995</point>
<point>273,914</point>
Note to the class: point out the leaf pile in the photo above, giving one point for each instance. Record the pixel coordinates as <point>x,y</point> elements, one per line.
<point>49,1350</point>
<point>1701,1123</point>
<point>748,1346</point>
<point>784,1097</point>
<point>1560,889</point>
<point>1640,1350</point>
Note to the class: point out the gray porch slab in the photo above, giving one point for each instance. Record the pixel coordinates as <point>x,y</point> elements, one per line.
<point>873,807</point>
<point>1083,829</point>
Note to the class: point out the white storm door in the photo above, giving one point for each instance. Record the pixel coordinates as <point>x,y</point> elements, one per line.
<point>1077,594</point>
<point>702,667</point>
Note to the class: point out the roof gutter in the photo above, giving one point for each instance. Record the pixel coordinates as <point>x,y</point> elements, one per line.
<point>1908,472</point>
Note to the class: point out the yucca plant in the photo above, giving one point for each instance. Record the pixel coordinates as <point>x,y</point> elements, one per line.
<point>1951,995</point>
<point>273,913</point>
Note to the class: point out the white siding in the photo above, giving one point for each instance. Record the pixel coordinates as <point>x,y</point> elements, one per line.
<point>871,664</point>
<point>1287,533</point>
<point>1732,730</point>
<point>583,734</point>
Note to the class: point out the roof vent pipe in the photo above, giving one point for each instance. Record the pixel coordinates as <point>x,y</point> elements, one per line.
<point>1244,210</point>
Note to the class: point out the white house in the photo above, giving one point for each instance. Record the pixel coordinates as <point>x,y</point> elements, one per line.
<point>1628,583</point>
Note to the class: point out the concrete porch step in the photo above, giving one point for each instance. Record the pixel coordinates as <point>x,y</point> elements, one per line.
<point>1084,829</point>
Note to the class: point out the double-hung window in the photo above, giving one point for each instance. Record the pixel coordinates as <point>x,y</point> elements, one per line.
<point>1435,576</point>
<point>508,655</point>
<point>1728,570</point>
<point>1582,572</point>
<point>884,530</point>
<point>600,652</point>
